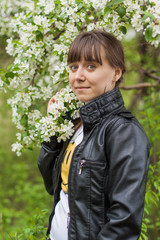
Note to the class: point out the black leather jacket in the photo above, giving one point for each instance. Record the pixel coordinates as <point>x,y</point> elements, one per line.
<point>108,172</point>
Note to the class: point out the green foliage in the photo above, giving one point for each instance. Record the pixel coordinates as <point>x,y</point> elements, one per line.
<point>121,11</point>
<point>151,123</point>
<point>35,230</point>
<point>147,14</point>
<point>148,34</point>
<point>21,187</point>
<point>145,104</point>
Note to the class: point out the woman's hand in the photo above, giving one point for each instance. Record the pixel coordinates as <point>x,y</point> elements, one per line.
<point>51,101</point>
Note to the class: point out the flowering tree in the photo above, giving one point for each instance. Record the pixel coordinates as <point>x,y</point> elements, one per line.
<point>39,34</point>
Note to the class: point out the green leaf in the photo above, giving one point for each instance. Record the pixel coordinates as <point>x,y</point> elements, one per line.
<point>108,7</point>
<point>16,68</point>
<point>9,66</point>
<point>58,2</point>
<point>121,11</point>
<point>36,1</point>
<point>146,15</point>
<point>23,59</point>
<point>144,236</point>
<point>10,75</point>
<point>79,25</point>
<point>114,2</point>
<point>99,14</point>
<point>148,3</point>
<point>30,20</point>
<point>148,34</point>
<point>123,29</point>
<point>24,121</point>
<point>80,4</point>
<point>107,10</point>
<point>30,149</point>
<point>61,57</point>
<point>2,71</point>
<point>62,17</point>
<point>39,35</point>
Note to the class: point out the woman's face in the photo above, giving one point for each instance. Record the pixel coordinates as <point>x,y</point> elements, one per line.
<point>89,80</point>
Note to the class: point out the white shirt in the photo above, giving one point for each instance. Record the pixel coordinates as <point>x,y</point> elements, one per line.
<point>60,221</point>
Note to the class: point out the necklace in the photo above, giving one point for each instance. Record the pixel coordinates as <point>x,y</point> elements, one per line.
<point>77,134</point>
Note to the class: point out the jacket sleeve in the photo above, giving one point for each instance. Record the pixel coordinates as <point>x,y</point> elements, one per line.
<point>46,161</point>
<point>128,152</point>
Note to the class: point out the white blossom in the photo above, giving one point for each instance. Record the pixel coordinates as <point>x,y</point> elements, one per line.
<point>19,136</point>
<point>48,5</point>
<point>33,116</point>
<point>17,147</point>
<point>99,4</point>
<point>1,83</point>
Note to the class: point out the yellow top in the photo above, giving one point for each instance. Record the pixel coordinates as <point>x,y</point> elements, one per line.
<point>66,166</point>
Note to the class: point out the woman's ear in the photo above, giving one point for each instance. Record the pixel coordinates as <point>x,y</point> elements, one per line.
<point>117,75</point>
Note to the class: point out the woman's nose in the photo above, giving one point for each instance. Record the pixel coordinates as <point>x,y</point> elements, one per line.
<point>80,75</point>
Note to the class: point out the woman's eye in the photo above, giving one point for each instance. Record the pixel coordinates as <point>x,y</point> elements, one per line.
<point>73,67</point>
<point>91,67</point>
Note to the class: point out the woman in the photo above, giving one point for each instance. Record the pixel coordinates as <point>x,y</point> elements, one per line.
<point>98,177</point>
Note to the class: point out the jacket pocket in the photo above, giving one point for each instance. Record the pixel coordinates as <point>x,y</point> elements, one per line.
<point>91,179</point>
<point>88,163</point>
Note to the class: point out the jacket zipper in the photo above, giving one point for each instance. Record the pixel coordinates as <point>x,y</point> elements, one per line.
<point>83,163</point>
<point>81,166</point>
<point>68,219</point>
<point>69,177</point>
<point>69,214</point>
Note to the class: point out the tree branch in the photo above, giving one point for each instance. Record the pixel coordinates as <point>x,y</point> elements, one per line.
<point>148,74</point>
<point>59,34</point>
<point>145,84</point>
<point>34,76</point>
<point>140,86</point>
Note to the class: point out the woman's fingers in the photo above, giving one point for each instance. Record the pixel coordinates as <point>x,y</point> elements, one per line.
<point>62,89</point>
<point>51,101</point>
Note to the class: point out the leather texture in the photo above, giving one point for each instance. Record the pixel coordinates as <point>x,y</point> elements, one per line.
<point>108,172</point>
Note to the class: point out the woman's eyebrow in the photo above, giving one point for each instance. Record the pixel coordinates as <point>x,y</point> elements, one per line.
<point>92,61</point>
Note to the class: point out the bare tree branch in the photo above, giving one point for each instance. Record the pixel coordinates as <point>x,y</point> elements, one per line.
<point>34,76</point>
<point>140,86</point>
<point>58,34</point>
<point>145,84</point>
<point>148,74</point>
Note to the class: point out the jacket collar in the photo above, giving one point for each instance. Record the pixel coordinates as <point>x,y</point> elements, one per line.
<point>108,103</point>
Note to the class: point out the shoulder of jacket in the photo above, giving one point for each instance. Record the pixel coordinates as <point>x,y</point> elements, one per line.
<point>127,118</point>
<point>118,118</point>
<point>124,118</point>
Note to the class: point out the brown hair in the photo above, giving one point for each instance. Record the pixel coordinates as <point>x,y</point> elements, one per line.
<point>88,45</point>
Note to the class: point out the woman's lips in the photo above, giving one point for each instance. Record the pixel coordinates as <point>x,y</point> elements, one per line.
<point>81,88</point>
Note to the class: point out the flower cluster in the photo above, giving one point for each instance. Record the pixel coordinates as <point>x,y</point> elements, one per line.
<point>61,114</point>
<point>37,128</point>
<point>39,35</point>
